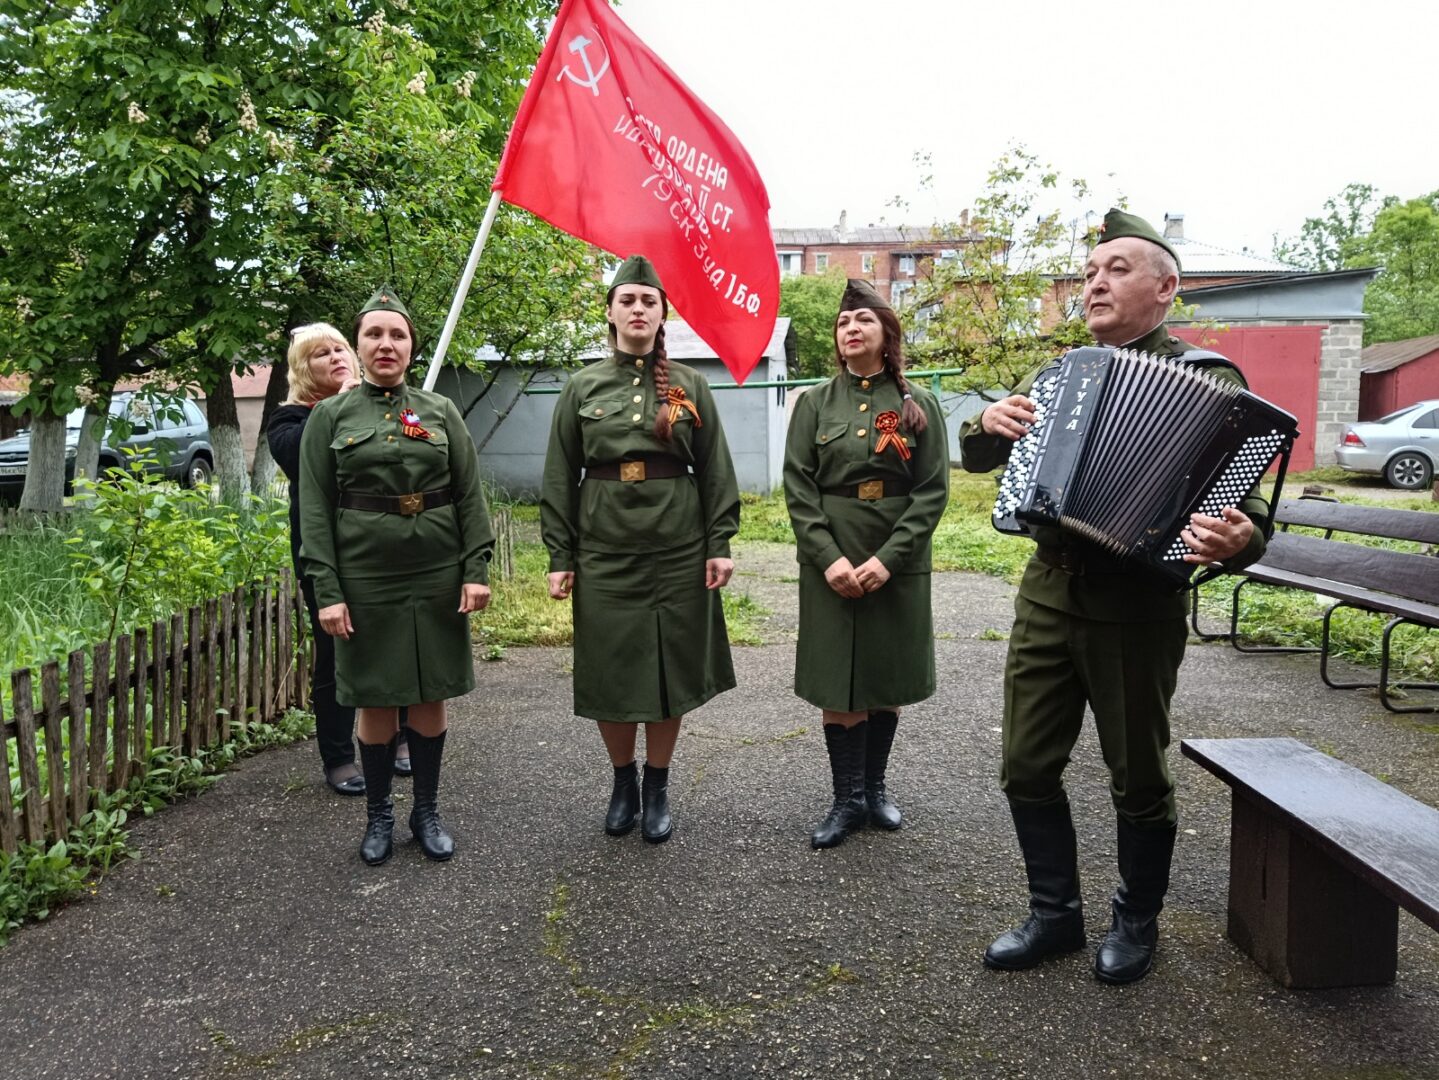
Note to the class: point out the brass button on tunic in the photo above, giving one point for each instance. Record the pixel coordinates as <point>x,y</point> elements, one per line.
<point>650,640</point>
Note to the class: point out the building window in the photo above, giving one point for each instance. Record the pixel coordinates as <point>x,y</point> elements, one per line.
<point>791,262</point>
<point>866,263</point>
<point>898,291</point>
<point>821,262</point>
<point>906,265</point>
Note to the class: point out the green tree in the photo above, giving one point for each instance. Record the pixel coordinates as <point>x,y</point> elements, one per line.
<point>1360,228</point>
<point>1333,240</point>
<point>810,302</point>
<point>1403,301</point>
<point>998,307</point>
<point>196,178</point>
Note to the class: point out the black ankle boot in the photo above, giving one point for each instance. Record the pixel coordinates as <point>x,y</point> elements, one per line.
<point>657,825</point>
<point>377,761</point>
<point>882,810</point>
<point>1127,953</point>
<point>425,754</point>
<point>624,801</point>
<point>1056,916</point>
<point>847,752</point>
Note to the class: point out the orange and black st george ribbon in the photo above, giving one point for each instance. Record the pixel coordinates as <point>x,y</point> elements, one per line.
<point>410,425</point>
<point>679,403</point>
<point>887,424</point>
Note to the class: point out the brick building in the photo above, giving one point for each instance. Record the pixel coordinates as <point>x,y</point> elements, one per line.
<point>893,257</point>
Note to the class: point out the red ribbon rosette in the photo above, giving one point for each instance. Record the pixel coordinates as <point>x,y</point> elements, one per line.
<point>679,403</point>
<point>887,424</point>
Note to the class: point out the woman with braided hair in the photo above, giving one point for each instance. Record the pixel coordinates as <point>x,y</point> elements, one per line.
<point>866,478</point>
<point>637,508</point>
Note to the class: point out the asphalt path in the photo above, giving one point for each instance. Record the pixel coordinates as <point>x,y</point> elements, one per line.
<point>249,939</point>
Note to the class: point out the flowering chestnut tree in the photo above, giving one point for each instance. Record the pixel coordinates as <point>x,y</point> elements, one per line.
<point>189,180</point>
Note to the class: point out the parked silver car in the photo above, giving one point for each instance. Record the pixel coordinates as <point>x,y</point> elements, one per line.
<point>1403,446</point>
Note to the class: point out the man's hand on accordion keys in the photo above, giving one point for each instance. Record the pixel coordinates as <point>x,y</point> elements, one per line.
<point>1011,417</point>
<point>1214,539</point>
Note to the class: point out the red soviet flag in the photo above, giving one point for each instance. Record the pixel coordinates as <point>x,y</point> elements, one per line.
<point>611,147</point>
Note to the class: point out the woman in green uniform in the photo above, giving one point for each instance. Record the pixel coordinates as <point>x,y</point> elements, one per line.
<point>866,478</point>
<point>397,540</point>
<point>641,543</point>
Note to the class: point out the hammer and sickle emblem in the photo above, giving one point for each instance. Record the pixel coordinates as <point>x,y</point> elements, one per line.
<point>578,44</point>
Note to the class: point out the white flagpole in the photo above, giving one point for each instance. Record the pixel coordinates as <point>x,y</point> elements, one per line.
<point>459,302</point>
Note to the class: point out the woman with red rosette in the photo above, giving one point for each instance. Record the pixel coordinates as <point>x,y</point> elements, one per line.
<point>866,478</point>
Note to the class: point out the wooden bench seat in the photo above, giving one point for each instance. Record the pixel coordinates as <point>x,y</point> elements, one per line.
<point>1321,857</point>
<point>1384,581</point>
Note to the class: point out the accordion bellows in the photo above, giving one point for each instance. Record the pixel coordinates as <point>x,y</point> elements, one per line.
<point>1126,446</point>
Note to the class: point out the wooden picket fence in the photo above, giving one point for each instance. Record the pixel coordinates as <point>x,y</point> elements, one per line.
<point>237,659</point>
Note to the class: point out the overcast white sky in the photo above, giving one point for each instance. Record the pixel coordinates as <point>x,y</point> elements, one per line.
<point>1243,117</point>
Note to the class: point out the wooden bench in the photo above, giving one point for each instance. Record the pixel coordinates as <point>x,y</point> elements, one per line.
<point>1321,857</point>
<point>1402,585</point>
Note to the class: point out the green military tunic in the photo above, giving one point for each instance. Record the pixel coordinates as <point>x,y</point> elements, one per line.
<point>650,640</point>
<point>876,651</point>
<point>1111,636</point>
<point>399,574</point>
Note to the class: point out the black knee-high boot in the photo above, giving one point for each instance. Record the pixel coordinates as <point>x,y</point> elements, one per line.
<point>377,761</point>
<point>1056,914</point>
<point>425,754</point>
<point>1127,952</point>
<point>847,751</point>
<point>882,810</point>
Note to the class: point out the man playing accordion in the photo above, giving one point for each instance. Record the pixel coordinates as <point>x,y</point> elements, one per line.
<point>1092,629</point>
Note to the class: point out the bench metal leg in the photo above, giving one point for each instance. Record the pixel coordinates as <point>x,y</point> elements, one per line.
<point>1304,919</point>
<point>1385,684</point>
<point>1324,655</point>
<point>1237,641</point>
<point>1194,619</point>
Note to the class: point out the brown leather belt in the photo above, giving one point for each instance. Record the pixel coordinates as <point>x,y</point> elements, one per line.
<point>650,467</point>
<point>396,504</point>
<point>870,490</point>
<point>1072,561</point>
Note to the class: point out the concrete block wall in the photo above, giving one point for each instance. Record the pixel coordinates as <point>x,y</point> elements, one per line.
<point>1339,358</point>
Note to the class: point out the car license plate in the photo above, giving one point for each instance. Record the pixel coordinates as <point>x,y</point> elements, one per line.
<point>12,470</point>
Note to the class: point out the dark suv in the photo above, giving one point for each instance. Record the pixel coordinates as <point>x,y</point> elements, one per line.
<point>173,430</point>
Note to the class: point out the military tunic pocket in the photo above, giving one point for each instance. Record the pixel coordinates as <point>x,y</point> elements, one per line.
<point>344,440</point>
<point>830,434</point>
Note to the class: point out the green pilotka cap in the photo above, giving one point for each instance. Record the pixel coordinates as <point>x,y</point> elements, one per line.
<point>385,300</point>
<point>859,293</point>
<point>636,270</point>
<point>1119,224</point>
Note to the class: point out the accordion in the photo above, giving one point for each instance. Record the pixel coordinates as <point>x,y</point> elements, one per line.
<point>1126,446</point>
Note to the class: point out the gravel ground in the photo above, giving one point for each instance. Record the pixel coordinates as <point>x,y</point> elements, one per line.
<point>249,940</point>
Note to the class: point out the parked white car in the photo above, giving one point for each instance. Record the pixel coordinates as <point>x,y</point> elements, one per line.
<point>1403,446</point>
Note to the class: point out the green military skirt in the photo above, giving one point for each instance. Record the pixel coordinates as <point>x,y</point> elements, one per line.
<point>650,640</point>
<point>410,644</point>
<point>872,653</point>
